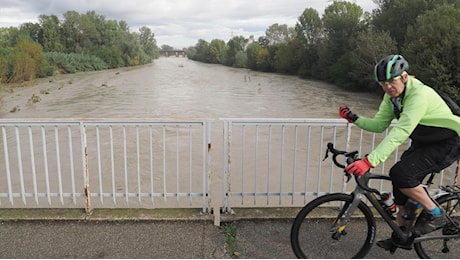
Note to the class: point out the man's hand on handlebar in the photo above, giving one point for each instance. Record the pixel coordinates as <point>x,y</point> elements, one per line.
<point>359,167</point>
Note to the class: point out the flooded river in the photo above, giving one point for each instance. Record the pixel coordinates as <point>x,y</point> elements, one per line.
<point>179,88</point>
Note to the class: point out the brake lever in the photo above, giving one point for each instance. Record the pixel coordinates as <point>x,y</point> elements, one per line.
<point>348,175</point>
<point>327,154</point>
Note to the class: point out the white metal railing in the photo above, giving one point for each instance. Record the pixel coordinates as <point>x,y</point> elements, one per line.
<point>279,162</point>
<point>167,163</point>
<point>102,163</point>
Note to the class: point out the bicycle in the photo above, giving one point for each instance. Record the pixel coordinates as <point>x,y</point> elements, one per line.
<point>342,225</point>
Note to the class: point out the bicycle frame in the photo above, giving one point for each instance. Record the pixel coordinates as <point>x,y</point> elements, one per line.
<point>370,193</point>
<point>362,189</point>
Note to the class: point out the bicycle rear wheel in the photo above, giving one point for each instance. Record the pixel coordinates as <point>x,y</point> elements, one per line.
<point>314,231</point>
<point>443,248</point>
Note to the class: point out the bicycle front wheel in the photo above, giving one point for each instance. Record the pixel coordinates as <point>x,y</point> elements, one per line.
<point>315,232</point>
<point>443,247</point>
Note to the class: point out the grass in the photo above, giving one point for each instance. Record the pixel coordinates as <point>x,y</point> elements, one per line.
<point>230,232</point>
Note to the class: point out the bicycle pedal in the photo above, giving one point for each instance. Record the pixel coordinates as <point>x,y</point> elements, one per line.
<point>387,245</point>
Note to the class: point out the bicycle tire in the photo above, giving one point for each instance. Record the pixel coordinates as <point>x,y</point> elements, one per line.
<point>436,248</point>
<point>311,236</point>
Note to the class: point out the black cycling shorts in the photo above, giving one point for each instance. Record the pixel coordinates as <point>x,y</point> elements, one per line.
<point>420,160</point>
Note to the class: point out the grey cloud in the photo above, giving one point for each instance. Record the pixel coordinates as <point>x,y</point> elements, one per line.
<point>170,19</point>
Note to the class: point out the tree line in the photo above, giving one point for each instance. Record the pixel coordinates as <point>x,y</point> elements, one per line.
<point>343,45</point>
<point>80,42</point>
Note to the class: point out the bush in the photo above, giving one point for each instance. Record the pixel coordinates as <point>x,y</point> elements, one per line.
<point>72,63</point>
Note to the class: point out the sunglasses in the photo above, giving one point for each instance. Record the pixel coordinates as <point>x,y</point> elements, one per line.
<point>389,82</point>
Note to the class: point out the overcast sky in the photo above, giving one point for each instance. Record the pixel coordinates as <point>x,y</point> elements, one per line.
<point>178,23</point>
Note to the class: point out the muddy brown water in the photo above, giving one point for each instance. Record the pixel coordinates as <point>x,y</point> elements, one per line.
<point>179,88</point>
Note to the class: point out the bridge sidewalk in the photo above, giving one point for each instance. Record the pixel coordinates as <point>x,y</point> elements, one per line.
<point>187,235</point>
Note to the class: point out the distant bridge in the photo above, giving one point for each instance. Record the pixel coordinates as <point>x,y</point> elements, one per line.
<point>177,53</point>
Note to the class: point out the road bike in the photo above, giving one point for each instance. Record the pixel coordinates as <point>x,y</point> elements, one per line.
<point>342,225</point>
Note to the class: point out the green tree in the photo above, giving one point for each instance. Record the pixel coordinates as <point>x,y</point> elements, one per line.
<point>395,16</point>
<point>309,34</point>
<point>264,62</point>
<point>217,51</point>
<point>288,57</point>
<point>252,51</point>
<point>201,51</point>
<point>241,60</point>
<point>8,37</point>
<point>148,43</point>
<point>371,46</point>
<point>234,45</point>
<point>50,37</point>
<point>278,33</point>
<point>71,33</point>
<point>91,26</point>
<point>31,30</point>
<point>342,21</point>
<point>433,48</point>
<point>27,61</point>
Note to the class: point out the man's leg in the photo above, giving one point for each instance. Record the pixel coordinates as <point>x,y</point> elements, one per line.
<point>419,194</point>
<point>433,216</point>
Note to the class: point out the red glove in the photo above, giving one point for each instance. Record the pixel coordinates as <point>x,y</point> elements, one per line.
<point>359,167</point>
<point>346,113</point>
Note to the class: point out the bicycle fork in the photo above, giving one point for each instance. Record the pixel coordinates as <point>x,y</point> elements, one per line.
<point>338,227</point>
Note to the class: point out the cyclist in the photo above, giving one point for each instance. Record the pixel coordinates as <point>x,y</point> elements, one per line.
<point>434,130</point>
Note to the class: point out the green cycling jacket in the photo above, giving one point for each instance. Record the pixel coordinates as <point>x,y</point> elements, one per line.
<point>421,106</point>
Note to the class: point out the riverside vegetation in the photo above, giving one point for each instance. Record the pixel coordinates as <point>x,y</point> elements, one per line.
<point>340,47</point>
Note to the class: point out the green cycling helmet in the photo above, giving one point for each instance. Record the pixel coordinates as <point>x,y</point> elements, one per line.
<point>390,67</point>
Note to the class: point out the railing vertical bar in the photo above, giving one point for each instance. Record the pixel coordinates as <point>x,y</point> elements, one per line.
<point>206,144</point>
<point>32,162</point>
<point>21,172</point>
<point>307,160</point>
<point>361,138</point>
<point>99,164</point>
<point>294,163</point>
<point>125,160</point>
<point>207,169</point>
<point>58,164</point>
<point>283,131</point>
<point>72,167</point>
<point>382,166</point>
<point>243,160</point>
<point>224,164</point>
<point>138,164</point>
<point>318,184</point>
<point>269,155</point>
<point>331,178</point>
<point>256,149</point>
<point>151,164</point>
<point>190,165</point>
<point>45,158</point>
<point>164,163</point>
<point>7,165</point>
<point>177,164</point>
<point>112,161</point>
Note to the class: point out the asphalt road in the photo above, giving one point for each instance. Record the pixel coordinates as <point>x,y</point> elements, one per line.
<point>256,238</point>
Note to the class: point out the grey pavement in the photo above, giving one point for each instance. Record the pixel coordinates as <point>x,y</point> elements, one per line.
<point>173,238</point>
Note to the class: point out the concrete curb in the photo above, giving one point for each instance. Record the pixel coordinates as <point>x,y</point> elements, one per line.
<point>145,214</point>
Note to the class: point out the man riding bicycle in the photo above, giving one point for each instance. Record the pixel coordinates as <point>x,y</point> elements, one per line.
<point>425,118</point>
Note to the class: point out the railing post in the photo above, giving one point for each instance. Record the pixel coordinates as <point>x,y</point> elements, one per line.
<point>227,140</point>
<point>84,150</point>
